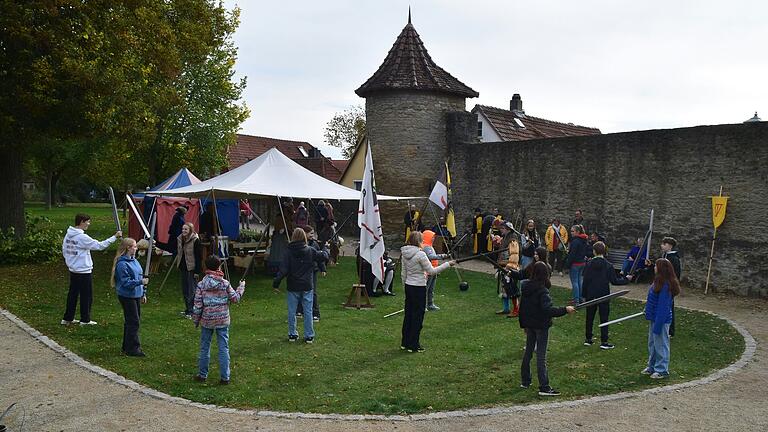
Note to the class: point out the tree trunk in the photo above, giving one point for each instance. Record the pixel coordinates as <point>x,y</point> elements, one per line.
<point>49,189</point>
<point>55,186</point>
<point>12,192</point>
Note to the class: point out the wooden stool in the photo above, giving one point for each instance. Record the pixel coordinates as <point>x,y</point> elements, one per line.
<point>358,290</point>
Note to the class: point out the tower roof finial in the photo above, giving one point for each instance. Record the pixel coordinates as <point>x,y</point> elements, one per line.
<point>409,14</point>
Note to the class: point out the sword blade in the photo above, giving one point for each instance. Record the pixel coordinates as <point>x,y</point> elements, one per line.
<point>151,249</point>
<point>601,299</point>
<point>114,209</point>
<point>137,215</point>
<point>622,319</point>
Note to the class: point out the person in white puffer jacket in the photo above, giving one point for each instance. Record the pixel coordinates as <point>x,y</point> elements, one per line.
<point>415,268</point>
<point>76,248</point>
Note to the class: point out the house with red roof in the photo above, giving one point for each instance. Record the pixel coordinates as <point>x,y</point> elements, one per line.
<point>248,147</point>
<point>497,124</point>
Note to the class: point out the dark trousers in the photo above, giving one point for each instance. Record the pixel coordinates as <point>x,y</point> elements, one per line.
<point>413,319</point>
<point>555,259</point>
<point>188,286</point>
<point>536,339</point>
<point>80,285</point>
<point>315,304</point>
<point>132,315</point>
<point>605,309</point>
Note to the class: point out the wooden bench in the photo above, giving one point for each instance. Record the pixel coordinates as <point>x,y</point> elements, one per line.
<point>616,257</point>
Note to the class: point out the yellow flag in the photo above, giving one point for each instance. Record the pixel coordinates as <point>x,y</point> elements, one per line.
<point>718,209</point>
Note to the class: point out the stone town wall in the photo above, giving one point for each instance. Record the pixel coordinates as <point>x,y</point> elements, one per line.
<point>617,178</point>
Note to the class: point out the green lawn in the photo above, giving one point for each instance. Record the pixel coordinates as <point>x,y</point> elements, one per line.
<point>356,366</point>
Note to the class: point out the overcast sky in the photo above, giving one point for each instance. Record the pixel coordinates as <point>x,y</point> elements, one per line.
<point>614,65</point>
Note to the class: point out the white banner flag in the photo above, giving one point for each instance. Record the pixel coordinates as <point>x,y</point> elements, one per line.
<point>368,219</point>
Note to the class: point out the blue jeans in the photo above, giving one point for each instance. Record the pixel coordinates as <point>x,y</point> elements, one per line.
<point>535,340</point>
<point>658,350</point>
<point>222,340</point>
<point>431,280</point>
<point>575,274</point>
<point>305,297</point>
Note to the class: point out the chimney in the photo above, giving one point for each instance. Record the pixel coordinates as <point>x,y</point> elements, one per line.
<point>516,104</point>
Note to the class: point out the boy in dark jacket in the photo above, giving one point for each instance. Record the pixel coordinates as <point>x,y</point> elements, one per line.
<point>536,313</point>
<point>598,277</point>
<point>319,267</point>
<point>298,267</point>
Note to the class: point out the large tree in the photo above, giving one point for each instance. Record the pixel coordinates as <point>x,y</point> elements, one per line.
<point>141,86</point>
<point>345,129</point>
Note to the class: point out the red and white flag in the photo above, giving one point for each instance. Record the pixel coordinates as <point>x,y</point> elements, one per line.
<point>368,219</point>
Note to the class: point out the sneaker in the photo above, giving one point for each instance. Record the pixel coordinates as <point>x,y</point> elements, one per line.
<point>88,323</point>
<point>647,371</point>
<point>502,312</point>
<point>561,273</point>
<point>299,314</point>
<point>224,382</point>
<point>549,392</point>
<point>389,293</point>
<point>657,375</point>
<point>433,308</point>
<point>136,354</point>
<point>402,347</point>
<point>606,346</point>
<point>199,378</point>
<point>65,322</point>
<point>293,338</point>
<point>309,340</point>
<point>525,386</point>
<point>315,318</point>
<point>588,342</point>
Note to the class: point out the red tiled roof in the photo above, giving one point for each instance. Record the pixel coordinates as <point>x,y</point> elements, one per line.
<point>503,122</point>
<point>340,164</point>
<point>408,66</point>
<point>250,147</point>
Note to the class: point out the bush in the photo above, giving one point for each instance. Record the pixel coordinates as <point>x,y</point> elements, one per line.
<point>42,243</point>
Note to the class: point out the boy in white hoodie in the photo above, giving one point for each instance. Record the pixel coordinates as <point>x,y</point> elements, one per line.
<point>76,248</point>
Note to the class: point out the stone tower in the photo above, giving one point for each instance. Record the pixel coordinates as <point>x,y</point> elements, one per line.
<point>406,103</point>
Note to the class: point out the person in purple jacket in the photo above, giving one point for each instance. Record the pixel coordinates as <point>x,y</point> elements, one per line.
<point>658,310</point>
<point>211,312</point>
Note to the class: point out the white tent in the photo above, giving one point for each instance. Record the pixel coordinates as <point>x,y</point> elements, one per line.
<point>271,174</point>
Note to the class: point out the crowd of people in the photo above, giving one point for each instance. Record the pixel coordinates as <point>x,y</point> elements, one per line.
<point>524,259</point>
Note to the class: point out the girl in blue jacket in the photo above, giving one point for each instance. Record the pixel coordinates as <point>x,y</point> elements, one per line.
<point>658,310</point>
<point>132,293</point>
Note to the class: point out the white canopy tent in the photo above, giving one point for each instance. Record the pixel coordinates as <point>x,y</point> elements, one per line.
<point>271,174</point>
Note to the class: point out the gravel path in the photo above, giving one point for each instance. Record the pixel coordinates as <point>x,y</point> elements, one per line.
<point>57,394</point>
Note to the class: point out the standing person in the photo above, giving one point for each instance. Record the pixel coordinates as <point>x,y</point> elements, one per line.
<point>578,219</point>
<point>578,253</point>
<point>211,312</point>
<point>322,223</point>
<point>76,248</point>
<point>301,216</point>
<point>536,313</point>
<point>670,252</point>
<point>428,238</point>
<point>245,214</point>
<point>208,222</point>
<point>508,259</point>
<point>415,267</point>
<point>331,216</point>
<point>556,238</point>
<point>489,231</point>
<point>389,275</point>
<point>131,290</point>
<point>599,275</point>
<point>658,310</point>
<point>288,210</point>
<point>529,241</point>
<point>174,229</point>
<point>540,254</point>
<point>318,267</point>
<point>411,221</point>
<point>298,267</point>
<point>190,257</point>
<point>478,242</point>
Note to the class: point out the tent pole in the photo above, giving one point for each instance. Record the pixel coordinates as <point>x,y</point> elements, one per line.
<point>217,229</point>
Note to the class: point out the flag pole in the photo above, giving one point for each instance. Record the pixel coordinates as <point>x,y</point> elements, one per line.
<point>712,251</point>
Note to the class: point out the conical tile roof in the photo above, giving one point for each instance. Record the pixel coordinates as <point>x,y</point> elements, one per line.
<point>408,66</point>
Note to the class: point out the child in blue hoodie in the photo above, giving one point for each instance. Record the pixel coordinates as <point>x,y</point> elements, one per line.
<point>132,293</point>
<point>658,310</point>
